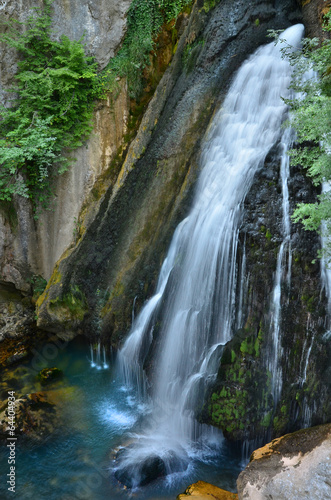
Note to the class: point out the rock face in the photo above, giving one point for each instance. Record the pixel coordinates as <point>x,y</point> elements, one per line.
<point>28,246</point>
<point>295,466</point>
<point>101,23</point>
<point>312,12</point>
<point>119,255</point>
<point>241,402</point>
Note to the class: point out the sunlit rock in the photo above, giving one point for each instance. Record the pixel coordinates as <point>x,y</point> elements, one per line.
<point>295,466</point>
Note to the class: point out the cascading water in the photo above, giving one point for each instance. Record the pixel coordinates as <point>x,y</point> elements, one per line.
<point>195,297</point>
<point>283,270</point>
<point>96,360</point>
<point>326,266</point>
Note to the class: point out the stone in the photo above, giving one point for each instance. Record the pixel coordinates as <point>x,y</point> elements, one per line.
<point>36,417</point>
<point>26,244</point>
<point>143,469</point>
<point>48,375</point>
<point>295,466</point>
<point>141,473</point>
<point>206,491</point>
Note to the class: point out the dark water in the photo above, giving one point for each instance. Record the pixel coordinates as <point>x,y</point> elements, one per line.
<point>76,462</point>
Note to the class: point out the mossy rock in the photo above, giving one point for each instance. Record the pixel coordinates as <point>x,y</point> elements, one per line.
<point>48,375</point>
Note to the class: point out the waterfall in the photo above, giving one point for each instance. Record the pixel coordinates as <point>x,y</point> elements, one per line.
<point>195,296</point>
<point>97,360</point>
<point>282,270</point>
<point>326,266</point>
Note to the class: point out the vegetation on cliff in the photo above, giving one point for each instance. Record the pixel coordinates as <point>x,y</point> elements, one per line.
<point>50,111</point>
<point>54,91</point>
<point>311,109</point>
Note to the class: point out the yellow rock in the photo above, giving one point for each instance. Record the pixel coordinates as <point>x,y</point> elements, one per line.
<point>206,491</point>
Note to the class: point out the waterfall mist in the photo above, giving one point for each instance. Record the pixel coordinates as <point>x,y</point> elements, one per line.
<point>194,304</point>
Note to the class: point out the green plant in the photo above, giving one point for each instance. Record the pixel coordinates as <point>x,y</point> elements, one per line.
<point>144,21</point>
<point>55,86</point>
<point>50,110</point>
<point>311,112</point>
<point>38,285</point>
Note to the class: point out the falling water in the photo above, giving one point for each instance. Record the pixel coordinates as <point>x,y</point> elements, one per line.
<point>282,271</point>
<point>96,360</point>
<point>196,288</point>
<point>326,266</point>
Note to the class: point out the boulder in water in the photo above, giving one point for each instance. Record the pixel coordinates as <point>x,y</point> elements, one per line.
<point>135,470</point>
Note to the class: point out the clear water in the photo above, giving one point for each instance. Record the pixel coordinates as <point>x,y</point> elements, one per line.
<point>76,463</point>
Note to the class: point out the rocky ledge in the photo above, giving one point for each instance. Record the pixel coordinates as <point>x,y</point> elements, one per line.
<point>206,491</point>
<point>294,466</point>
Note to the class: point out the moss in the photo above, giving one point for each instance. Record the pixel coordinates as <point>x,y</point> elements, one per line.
<point>209,4</point>
<point>268,235</point>
<point>72,304</point>
<point>267,420</point>
<point>49,375</point>
<point>191,54</point>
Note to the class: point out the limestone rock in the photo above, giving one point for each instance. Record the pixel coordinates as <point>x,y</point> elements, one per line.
<point>295,466</point>
<point>29,246</point>
<point>122,249</point>
<point>206,491</point>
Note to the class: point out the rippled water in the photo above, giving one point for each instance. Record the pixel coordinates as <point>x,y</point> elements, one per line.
<point>99,413</point>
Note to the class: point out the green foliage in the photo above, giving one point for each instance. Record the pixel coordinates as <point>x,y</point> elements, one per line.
<point>38,285</point>
<point>209,5</point>
<point>268,235</point>
<point>144,21</point>
<point>50,111</point>
<point>191,53</point>
<point>266,421</point>
<point>311,111</point>
<point>73,303</point>
<point>52,99</point>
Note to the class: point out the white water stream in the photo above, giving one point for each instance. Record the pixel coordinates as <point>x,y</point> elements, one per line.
<point>283,270</point>
<point>197,283</point>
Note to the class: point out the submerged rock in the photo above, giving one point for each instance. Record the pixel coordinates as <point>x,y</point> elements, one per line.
<point>138,468</point>
<point>35,417</point>
<point>49,375</point>
<point>142,473</point>
<point>295,466</point>
<point>206,491</point>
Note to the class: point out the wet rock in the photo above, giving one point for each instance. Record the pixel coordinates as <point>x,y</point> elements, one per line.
<point>134,471</point>
<point>295,466</point>
<point>17,318</point>
<point>142,473</point>
<point>126,241</point>
<point>48,375</point>
<point>206,491</point>
<point>35,417</point>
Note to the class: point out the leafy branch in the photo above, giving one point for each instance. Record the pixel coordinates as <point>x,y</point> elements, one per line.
<point>311,118</point>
